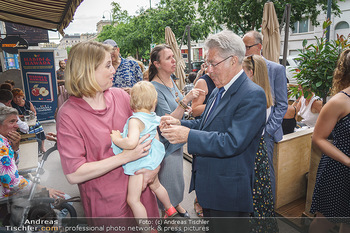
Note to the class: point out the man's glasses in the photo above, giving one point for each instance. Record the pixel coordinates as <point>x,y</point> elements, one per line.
<point>250,46</point>
<point>214,65</point>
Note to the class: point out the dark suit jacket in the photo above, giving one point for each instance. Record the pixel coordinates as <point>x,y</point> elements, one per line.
<point>225,146</point>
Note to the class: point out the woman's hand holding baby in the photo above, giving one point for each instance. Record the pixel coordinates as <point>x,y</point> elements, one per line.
<point>140,150</point>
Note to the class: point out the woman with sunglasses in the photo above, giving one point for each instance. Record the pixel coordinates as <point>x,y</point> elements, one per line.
<point>255,68</point>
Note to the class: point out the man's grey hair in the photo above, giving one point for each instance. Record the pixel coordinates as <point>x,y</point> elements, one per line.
<point>228,43</point>
<point>5,112</point>
<point>256,35</point>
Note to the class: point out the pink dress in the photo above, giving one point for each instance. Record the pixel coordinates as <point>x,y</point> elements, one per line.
<point>84,136</point>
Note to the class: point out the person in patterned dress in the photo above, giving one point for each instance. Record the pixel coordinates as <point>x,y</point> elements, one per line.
<point>331,197</point>
<point>11,183</point>
<point>263,216</point>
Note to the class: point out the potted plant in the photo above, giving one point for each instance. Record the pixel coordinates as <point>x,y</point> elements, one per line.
<point>317,63</point>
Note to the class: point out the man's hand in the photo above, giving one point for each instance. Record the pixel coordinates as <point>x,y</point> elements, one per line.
<point>166,121</point>
<point>176,134</point>
<point>148,176</point>
<point>14,137</point>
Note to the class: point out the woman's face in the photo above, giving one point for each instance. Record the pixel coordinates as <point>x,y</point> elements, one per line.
<point>9,124</point>
<point>104,73</point>
<point>167,61</point>
<point>19,100</point>
<point>248,72</point>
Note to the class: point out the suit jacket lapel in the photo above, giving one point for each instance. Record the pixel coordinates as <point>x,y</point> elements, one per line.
<point>209,103</point>
<point>225,99</point>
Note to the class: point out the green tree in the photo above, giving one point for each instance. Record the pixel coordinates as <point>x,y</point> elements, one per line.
<point>134,34</point>
<point>245,15</point>
<point>317,63</point>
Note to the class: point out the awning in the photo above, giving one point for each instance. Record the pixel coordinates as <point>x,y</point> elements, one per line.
<point>45,14</point>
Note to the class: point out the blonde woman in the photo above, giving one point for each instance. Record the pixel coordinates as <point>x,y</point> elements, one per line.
<point>84,124</point>
<point>255,68</point>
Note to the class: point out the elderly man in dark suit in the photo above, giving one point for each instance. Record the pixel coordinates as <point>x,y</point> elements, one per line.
<point>278,84</point>
<point>225,140</point>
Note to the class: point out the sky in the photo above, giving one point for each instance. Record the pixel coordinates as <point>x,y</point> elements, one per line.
<point>91,11</point>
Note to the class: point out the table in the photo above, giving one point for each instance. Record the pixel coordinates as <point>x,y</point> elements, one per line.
<point>31,122</point>
<point>28,155</point>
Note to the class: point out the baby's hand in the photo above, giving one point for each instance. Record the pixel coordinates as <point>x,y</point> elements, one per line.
<point>116,135</point>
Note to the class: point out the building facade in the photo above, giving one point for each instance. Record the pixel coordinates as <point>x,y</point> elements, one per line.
<point>305,30</point>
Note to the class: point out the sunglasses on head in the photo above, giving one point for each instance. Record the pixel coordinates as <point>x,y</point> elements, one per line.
<point>252,60</point>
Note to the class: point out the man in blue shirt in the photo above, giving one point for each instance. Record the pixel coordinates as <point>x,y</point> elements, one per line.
<point>128,72</point>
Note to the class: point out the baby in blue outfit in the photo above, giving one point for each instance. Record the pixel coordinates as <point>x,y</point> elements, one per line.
<point>143,121</point>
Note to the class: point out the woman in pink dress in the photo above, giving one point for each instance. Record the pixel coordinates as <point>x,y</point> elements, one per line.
<point>84,124</point>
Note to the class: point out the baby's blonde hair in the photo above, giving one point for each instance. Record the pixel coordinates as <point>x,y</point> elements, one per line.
<point>143,95</point>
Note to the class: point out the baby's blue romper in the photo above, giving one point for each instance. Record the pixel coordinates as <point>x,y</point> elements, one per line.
<point>157,151</point>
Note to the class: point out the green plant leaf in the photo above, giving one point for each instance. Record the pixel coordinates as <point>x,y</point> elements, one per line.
<point>318,84</point>
<point>304,42</point>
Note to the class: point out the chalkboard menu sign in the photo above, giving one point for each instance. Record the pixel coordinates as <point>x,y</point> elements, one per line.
<point>31,34</point>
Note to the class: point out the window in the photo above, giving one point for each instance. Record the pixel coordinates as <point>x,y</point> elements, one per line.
<point>342,25</point>
<point>303,26</point>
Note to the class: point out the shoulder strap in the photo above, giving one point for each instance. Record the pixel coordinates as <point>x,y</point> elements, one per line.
<point>295,111</point>
<point>345,93</point>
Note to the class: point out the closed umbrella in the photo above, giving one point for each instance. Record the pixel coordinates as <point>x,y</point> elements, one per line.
<point>270,31</point>
<point>180,64</point>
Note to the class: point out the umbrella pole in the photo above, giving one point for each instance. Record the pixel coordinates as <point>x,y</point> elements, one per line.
<point>286,36</point>
<point>189,47</point>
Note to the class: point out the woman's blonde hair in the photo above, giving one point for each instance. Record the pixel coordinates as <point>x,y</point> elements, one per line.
<point>257,64</point>
<point>341,76</point>
<point>143,95</point>
<point>83,60</point>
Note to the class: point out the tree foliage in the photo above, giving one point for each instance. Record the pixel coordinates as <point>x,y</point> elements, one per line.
<point>134,34</point>
<point>241,16</point>
<point>317,63</point>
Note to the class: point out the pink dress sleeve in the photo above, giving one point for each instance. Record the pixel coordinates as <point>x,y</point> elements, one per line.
<point>70,144</point>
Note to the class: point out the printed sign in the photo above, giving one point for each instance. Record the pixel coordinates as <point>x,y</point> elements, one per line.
<point>39,86</point>
<point>11,44</point>
<point>39,81</point>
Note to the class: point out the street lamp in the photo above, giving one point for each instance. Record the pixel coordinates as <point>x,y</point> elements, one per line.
<point>110,15</point>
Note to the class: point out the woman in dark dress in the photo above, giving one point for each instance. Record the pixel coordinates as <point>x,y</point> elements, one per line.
<point>24,107</point>
<point>331,198</point>
<point>263,216</point>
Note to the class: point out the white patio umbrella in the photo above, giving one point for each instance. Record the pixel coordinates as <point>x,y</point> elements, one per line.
<point>180,63</point>
<point>270,31</point>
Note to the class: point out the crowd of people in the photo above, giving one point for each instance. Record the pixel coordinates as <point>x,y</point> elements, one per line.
<point>120,139</point>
